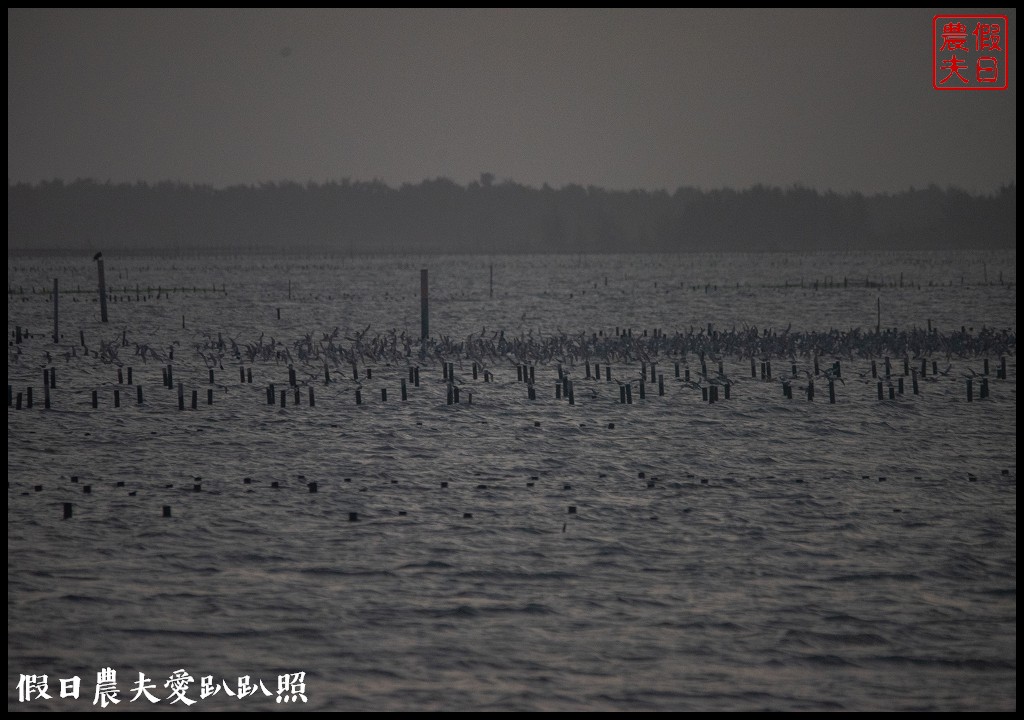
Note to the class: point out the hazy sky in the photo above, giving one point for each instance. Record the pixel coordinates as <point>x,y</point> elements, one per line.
<point>621,99</point>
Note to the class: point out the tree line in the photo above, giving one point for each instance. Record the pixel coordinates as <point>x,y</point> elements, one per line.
<point>484,216</point>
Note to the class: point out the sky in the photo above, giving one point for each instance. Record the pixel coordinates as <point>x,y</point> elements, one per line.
<point>650,99</point>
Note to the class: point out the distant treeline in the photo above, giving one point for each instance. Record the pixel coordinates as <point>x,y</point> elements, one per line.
<point>440,216</point>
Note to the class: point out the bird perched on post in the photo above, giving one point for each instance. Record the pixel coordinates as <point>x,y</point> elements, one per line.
<point>97,256</point>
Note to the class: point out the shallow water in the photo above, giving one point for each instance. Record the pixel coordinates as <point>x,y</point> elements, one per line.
<point>768,566</point>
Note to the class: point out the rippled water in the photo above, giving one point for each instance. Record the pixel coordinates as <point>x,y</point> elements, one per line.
<point>776,554</point>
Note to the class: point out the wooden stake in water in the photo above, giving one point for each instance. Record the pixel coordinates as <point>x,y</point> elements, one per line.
<point>492,280</point>
<point>424,307</point>
<point>56,326</point>
<point>103,288</point>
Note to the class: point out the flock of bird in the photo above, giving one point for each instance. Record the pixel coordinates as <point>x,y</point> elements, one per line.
<point>315,355</point>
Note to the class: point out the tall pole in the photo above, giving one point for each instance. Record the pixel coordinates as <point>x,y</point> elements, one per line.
<point>103,290</point>
<point>424,310</point>
<point>492,279</point>
<point>56,326</point>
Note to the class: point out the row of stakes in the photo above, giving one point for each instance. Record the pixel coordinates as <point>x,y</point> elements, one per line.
<point>564,387</point>
<point>313,487</point>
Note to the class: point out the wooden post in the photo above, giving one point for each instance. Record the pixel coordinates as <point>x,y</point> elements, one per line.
<point>56,325</point>
<point>195,399</point>
<point>102,289</point>
<point>492,280</point>
<point>138,393</point>
<point>312,400</point>
<point>117,398</point>
<point>209,396</point>
<point>832,392</point>
<point>424,307</point>
<point>661,386</point>
<point>405,395</point>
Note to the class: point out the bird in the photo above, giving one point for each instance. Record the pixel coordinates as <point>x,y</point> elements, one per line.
<point>97,256</point>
